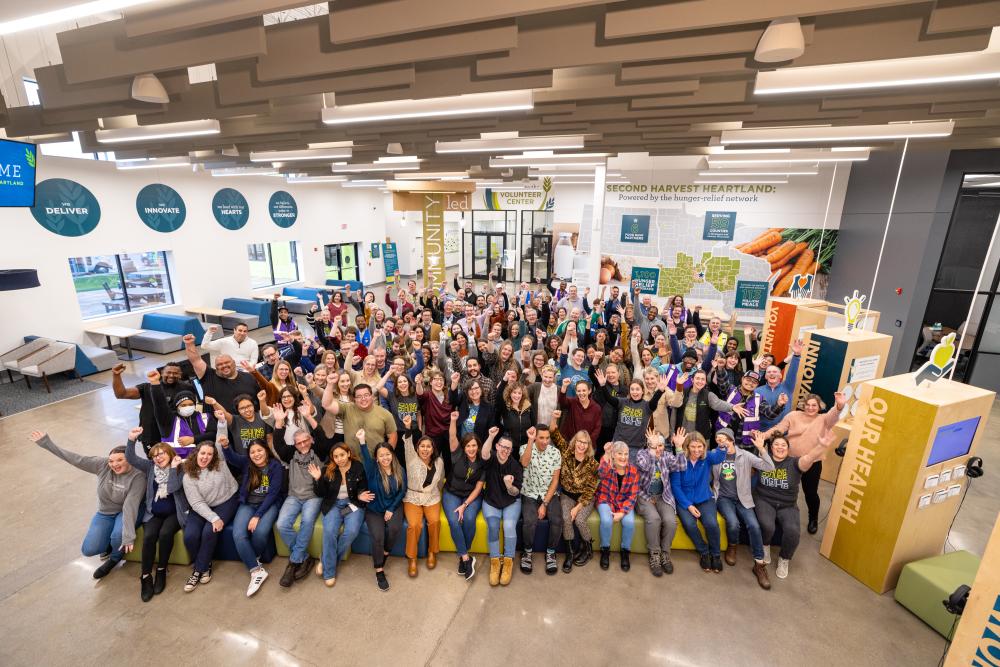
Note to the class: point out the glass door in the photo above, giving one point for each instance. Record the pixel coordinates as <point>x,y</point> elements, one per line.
<point>349,261</point>
<point>487,253</point>
<point>331,258</point>
<point>537,261</point>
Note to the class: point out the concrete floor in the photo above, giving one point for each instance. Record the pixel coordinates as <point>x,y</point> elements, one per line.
<point>54,613</point>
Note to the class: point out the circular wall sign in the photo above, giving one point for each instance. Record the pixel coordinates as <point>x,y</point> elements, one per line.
<point>283,209</point>
<point>230,208</point>
<point>160,207</point>
<point>65,207</point>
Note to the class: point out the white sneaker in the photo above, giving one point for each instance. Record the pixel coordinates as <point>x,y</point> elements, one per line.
<point>257,577</point>
<point>206,576</point>
<point>782,569</point>
<point>767,555</point>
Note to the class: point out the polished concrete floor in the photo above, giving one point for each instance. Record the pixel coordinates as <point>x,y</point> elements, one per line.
<point>54,613</point>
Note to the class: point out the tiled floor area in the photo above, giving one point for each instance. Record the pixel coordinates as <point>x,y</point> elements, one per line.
<point>54,613</point>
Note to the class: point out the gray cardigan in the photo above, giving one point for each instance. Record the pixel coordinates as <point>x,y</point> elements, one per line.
<point>745,462</point>
<point>115,493</point>
<point>211,488</point>
<point>175,485</point>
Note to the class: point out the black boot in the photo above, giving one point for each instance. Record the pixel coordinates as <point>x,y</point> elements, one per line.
<point>605,557</point>
<point>584,555</point>
<point>146,587</point>
<point>626,565</point>
<point>570,555</point>
<point>105,568</point>
<point>160,582</point>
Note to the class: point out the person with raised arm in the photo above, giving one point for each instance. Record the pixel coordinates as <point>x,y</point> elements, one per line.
<point>632,412</point>
<point>693,492</point>
<point>462,496</point>
<point>239,346</point>
<point>539,495</point>
<point>656,503</point>
<point>424,479</point>
<point>120,487</point>
<point>171,382</point>
<point>616,496</point>
<point>502,479</point>
<point>383,515</point>
<point>223,382</point>
<point>578,483</point>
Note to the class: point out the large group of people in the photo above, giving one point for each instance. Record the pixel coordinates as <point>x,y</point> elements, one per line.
<point>539,407</point>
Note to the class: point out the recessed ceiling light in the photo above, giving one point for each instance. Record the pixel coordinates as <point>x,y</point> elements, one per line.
<point>743,181</point>
<point>460,105</point>
<point>790,158</point>
<point>152,163</point>
<point>288,156</point>
<point>509,144</point>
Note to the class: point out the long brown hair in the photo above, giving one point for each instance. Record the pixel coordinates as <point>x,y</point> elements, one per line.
<point>397,470</point>
<point>191,463</point>
<point>254,475</point>
<point>331,467</point>
<point>525,401</point>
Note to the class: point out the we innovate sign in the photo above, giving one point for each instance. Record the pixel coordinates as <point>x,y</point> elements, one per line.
<point>160,207</point>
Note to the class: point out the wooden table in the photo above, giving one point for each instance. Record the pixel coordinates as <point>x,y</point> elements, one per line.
<point>268,297</point>
<point>122,334</point>
<point>205,312</point>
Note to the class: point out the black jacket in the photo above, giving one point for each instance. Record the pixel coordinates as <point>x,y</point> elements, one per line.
<point>327,489</point>
<point>484,419</point>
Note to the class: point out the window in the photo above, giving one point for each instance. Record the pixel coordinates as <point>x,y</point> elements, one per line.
<point>110,284</point>
<point>273,263</point>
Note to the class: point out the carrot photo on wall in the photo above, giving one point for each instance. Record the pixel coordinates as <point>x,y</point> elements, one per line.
<point>791,251</point>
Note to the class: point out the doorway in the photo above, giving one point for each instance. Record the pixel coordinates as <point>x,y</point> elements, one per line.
<point>488,250</point>
<point>341,261</point>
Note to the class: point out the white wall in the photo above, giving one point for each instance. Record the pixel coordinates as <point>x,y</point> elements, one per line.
<point>209,262</point>
<point>405,229</point>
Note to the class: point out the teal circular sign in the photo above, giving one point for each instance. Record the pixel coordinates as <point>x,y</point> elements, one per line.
<point>283,209</point>
<point>230,208</point>
<point>160,208</point>
<point>65,207</point>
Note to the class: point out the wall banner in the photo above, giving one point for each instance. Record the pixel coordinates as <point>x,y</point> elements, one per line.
<point>230,209</point>
<point>160,207</point>
<point>751,294</point>
<point>514,199</point>
<point>635,229</point>
<point>65,207</point>
<point>284,211</point>
<point>646,279</point>
<point>433,220</point>
<point>719,226</point>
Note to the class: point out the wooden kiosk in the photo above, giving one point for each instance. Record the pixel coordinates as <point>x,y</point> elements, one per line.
<point>788,319</point>
<point>977,637</point>
<point>903,474</point>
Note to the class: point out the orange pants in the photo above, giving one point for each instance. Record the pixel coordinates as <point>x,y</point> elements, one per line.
<point>415,515</point>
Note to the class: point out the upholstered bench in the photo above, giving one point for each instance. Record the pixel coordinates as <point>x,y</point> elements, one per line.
<point>99,358</point>
<point>681,540</point>
<point>315,548</point>
<point>178,555</point>
<point>363,542</point>
<point>159,342</point>
<point>303,300</point>
<point>225,548</point>
<point>924,584</point>
<point>252,312</point>
<point>164,332</point>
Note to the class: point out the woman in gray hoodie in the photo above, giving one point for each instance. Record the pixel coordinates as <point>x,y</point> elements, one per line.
<point>211,491</point>
<point>119,492</point>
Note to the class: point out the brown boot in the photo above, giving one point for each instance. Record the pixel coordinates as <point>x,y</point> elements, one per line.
<point>432,560</point>
<point>494,571</point>
<point>506,571</point>
<point>760,571</point>
<point>731,555</point>
<point>412,569</point>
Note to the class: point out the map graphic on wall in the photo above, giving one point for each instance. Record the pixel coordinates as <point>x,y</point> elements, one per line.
<point>65,207</point>
<point>160,208</point>
<point>677,258</point>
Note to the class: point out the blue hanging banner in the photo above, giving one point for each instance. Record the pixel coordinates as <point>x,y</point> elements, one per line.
<point>230,208</point>
<point>65,207</point>
<point>391,261</point>
<point>160,208</point>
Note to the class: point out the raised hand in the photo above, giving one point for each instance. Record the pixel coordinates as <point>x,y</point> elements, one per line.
<point>188,339</point>
<point>220,414</point>
<point>759,439</point>
<point>305,410</point>
<point>556,414</point>
<point>663,383</point>
<point>508,480</point>
<point>134,433</point>
<point>298,371</point>
<point>153,376</point>
<point>783,399</point>
<point>209,401</point>
<point>565,383</point>
<point>314,471</point>
<point>840,400</point>
<point>494,430</point>
<point>360,435</point>
<point>797,346</point>
<point>510,375</point>
<point>35,436</point>
<point>601,377</point>
<point>213,329</point>
<point>278,412</point>
<point>262,396</point>
<point>531,433</point>
<point>454,416</point>
<point>680,435</point>
<point>407,422</point>
<point>118,369</point>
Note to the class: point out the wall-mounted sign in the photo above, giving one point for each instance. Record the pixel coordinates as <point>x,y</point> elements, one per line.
<point>65,207</point>
<point>501,199</point>
<point>17,173</point>
<point>719,226</point>
<point>160,208</point>
<point>433,220</point>
<point>414,201</point>
<point>635,229</point>
<point>230,208</point>
<point>647,280</point>
<point>283,209</point>
<point>391,260</point>
<point>752,294</point>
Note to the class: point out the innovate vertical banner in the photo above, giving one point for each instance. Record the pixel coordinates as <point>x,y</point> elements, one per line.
<point>433,210</point>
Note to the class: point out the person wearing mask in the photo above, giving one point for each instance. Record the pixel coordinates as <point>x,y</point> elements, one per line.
<point>181,424</point>
<point>802,430</point>
<point>502,479</point>
<point>475,415</point>
<point>656,503</point>
<point>261,478</point>
<point>774,386</point>
<point>165,512</point>
<point>617,493</point>
<point>693,495</point>
<point>223,383</point>
<point>632,412</point>
<point>462,495</point>
<point>171,382</point>
<point>301,503</point>
<point>733,480</point>
<point>580,413</point>
<point>362,413</point>
<point>539,495</point>
<point>383,515</point>
<point>239,346</point>
<point>343,491</point>
<point>120,488</point>
<point>424,478</point>
<point>211,491</point>
<point>513,410</point>
<point>578,483</point>
<point>776,495</point>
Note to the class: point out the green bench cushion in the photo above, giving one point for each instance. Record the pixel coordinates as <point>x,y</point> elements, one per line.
<point>924,584</point>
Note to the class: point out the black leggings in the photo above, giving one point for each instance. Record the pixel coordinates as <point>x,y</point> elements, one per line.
<point>810,489</point>
<point>159,530</point>
<point>384,533</point>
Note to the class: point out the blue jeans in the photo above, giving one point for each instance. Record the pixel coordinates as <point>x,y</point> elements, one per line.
<point>607,522</point>
<point>297,541</point>
<point>734,513</point>
<point>464,531</point>
<point>494,516</point>
<point>249,545</point>
<point>104,534</point>
<point>335,545</point>
<point>708,520</point>
<point>199,536</point>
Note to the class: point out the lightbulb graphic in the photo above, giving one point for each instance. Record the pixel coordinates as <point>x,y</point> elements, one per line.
<point>852,310</point>
<point>941,361</point>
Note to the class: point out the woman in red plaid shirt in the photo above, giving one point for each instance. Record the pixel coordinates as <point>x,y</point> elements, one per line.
<point>616,496</point>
